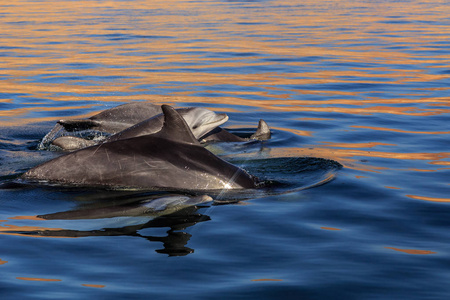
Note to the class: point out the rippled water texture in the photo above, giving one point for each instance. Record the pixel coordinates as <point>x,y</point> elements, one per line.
<point>364,84</point>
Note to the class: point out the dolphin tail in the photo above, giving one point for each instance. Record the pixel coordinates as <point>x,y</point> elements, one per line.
<point>262,133</point>
<point>78,124</point>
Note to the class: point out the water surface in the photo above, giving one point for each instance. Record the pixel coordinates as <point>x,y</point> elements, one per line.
<point>362,83</point>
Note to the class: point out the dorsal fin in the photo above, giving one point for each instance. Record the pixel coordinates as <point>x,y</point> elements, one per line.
<point>175,127</point>
<point>263,131</point>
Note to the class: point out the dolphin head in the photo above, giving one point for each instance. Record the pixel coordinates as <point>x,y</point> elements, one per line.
<point>201,120</point>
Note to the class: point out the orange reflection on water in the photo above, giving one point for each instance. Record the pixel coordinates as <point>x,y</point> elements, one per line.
<point>392,187</point>
<point>412,251</point>
<point>99,286</point>
<point>422,170</point>
<point>346,156</point>
<point>9,229</point>
<point>399,130</point>
<point>356,145</point>
<point>314,119</point>
<point>267,279</point>
<point>11,117</point>
<point>441,163</point>
<point>46,37</point>
<point>294,131</point>
<point>330,228</point>
<point>2,262</point>
<point>33,218</point>
<point>429,198</point>
<point>37,279</point>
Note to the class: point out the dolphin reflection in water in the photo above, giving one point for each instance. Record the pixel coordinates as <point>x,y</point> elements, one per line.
<point>124,218</point>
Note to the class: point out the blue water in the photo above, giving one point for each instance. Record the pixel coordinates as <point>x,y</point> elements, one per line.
<point>362,85</point>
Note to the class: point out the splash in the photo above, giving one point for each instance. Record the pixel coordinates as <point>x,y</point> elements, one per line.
<point>59,131</point>
<point>50,136</point>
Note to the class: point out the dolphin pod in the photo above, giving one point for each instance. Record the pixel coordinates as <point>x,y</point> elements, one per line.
<point>200,121</point>
<point>170,159</point>
<point>135,119</point>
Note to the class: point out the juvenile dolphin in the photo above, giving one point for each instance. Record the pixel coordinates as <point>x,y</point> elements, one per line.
<point>171,159</point>
<point>71,143</point>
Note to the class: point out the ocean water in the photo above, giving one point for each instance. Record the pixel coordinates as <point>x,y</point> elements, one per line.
<point>357,95</point>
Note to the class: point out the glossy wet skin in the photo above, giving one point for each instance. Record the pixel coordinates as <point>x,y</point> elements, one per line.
<point>203,123</point>
<point>199,120</point>
<point>114,119</point>
<point>171,159</point>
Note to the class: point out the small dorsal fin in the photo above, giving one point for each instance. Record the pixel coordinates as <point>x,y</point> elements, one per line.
<point>175,127</point>
<point>263,131</point>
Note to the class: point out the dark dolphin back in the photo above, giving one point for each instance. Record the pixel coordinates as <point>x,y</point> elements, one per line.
<point>115,119</point>
<point>170,159</point>
<point>133,112</point>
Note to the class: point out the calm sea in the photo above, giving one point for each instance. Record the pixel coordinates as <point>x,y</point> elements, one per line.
<point>364,84</point>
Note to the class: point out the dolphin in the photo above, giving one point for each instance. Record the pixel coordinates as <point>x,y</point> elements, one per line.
<point>71,143</point>
<point>200,121</point>
<point>201,131</point>
<point>120,118</point>
<point>115,119</point>
<point>171,159</point>
<point>107,122</point>
<point>221,135</point>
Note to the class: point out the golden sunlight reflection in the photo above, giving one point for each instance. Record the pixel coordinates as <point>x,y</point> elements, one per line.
<point>294,131</point>
<point>412,251</point>
<point>37,279</point>
<point>330,228</point>
<point>350,158</point>
<point>393,187</point>
<point>118,59</point>
<point>267,279</point>
<point>399,130</point>
<point>33,218</point>
<point>2,262</point>
<point>356,145</point>
<point>15,230</point>
<point>432,199</point>
<point>99,286</point>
